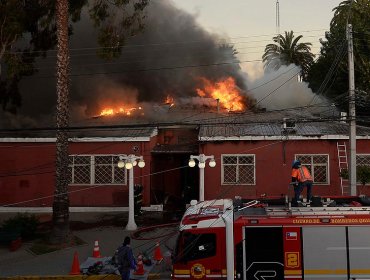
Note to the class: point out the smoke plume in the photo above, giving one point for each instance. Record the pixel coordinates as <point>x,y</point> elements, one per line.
<point>281,89</point>
<point>166,59</point>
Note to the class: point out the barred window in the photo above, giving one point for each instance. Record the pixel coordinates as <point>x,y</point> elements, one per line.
<point>318,165</point>
<point>238,169</point>
<point>96,169</point>
<point>362,159</point>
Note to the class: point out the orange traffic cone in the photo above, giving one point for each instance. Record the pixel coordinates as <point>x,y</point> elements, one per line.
<point>157,253</point>
<point>140,266</point>
<point>96,252</point>
<point>75,270</point>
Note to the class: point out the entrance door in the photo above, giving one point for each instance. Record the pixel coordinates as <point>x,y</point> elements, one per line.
<point>263,253</point>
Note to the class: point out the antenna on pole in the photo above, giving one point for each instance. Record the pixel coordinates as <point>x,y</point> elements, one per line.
<point>278,21</point>
<point>277,18</point>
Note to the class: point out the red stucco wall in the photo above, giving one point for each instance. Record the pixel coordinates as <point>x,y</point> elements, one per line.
<point>27,170</point>
<point>27,174</point>
<point>273,166</point>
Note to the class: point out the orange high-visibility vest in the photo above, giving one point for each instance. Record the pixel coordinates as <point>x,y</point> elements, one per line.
<point>302,174</point>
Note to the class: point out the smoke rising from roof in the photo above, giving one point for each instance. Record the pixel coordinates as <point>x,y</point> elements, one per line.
<point>166,59</point>
<point>281,89</point>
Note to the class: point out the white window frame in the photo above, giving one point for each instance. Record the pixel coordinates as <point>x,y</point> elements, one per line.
<point>313,170</point>
<point>237,170</point>
<point>92,171</point>
<point>358,155</point>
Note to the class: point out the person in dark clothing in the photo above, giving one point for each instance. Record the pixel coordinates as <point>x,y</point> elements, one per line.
<point>125,259</point>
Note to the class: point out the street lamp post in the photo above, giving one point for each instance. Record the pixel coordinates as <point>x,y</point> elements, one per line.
<point>201,164</point>
<point>128,162</point>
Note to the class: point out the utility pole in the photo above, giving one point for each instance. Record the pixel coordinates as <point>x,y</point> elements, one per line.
<point>278,21</point>
<point>352,112</point>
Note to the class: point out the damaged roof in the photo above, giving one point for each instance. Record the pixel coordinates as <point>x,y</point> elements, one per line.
<point>277,124</point>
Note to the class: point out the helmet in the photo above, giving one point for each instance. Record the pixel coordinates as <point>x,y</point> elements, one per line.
<point>296,163</point>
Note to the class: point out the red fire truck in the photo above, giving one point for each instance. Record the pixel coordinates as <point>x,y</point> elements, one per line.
<point>254,240</point>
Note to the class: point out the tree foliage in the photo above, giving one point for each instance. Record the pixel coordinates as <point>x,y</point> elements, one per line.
<point>363,174</point>
<point>287,50</point>
<point>117,20</point>
<point>28,30</point>
<point>333,60</point>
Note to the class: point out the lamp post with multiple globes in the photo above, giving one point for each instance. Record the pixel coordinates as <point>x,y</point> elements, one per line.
<point>202,164</point>
<point>129,162</point>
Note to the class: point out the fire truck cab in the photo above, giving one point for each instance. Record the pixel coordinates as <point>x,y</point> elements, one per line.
<point>253,240</point>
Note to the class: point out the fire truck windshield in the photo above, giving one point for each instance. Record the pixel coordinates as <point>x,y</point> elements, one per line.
<point>191,246</point>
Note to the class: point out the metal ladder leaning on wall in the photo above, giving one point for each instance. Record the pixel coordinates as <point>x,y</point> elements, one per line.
<point>343,165</point>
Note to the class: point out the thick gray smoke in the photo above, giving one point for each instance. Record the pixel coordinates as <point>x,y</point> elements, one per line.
<point>168,58</point>
<point>281,89</point>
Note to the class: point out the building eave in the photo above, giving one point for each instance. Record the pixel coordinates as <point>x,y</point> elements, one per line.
<point>279,138</point>
<point>79,140</point>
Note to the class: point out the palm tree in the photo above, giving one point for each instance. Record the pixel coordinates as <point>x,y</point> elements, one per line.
<point>60,232</point>
<point>286,50</point>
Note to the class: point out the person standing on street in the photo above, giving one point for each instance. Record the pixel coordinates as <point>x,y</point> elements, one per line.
<point>301,177</point>
<point>125,259</point>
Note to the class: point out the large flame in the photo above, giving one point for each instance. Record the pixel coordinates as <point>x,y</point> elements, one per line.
<point>110,111</point>
<point>169,101</point>
<point>225,91</point>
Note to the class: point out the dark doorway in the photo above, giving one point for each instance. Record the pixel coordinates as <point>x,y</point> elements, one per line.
<point>173,182</point>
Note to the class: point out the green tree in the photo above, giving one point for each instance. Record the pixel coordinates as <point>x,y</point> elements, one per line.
<point>333,60</point>
<point>363,174</point>
<point>287,50</point>
<point>101,11</point>
<point>117,20</point>
<point>31,24</point>
<point>27,30</point>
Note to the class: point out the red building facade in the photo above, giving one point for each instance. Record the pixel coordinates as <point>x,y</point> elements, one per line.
<point>251,160</point>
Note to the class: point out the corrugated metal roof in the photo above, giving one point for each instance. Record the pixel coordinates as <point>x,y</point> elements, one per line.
<point>226,130</point>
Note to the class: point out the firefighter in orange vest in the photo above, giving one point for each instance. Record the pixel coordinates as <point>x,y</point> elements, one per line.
<point>301,178</point>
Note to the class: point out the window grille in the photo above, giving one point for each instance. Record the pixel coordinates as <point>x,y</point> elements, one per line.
<point>238,169</point>
<point>362,159</point>
<point>96,170</point>
<point>318,165</point>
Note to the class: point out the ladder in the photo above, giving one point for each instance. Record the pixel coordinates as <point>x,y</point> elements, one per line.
<point>343,165</point>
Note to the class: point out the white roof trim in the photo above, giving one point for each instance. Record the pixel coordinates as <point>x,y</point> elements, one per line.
<point>110,139</point>
<point>282,137</point>
<point>28,140</point>
<point>84,139</point>
<point>154,132</point>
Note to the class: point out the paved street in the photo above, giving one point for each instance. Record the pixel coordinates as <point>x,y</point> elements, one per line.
<point>24,262</point>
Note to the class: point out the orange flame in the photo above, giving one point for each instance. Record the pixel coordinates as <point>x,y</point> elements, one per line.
<point>118,110</point>
<point>169,101</point>
<point>226,92</point>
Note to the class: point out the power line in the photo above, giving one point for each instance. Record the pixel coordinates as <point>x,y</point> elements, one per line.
<point>208,40</point>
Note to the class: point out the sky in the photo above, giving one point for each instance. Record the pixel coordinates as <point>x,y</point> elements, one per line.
<point>251,24</point>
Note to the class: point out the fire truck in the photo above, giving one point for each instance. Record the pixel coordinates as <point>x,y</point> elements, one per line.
<point>228,239</point>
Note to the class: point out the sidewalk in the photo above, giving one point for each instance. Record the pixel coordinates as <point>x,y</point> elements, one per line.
<point>107,228</point>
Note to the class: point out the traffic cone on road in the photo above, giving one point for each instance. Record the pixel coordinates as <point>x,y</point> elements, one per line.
<point>157,253</point>
<point>96,252</point>
<point>140,266</point>
<point>75,270</point>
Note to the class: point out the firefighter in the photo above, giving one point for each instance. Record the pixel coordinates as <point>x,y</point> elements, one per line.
<point>301,177</point>
<point>138,199</point>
